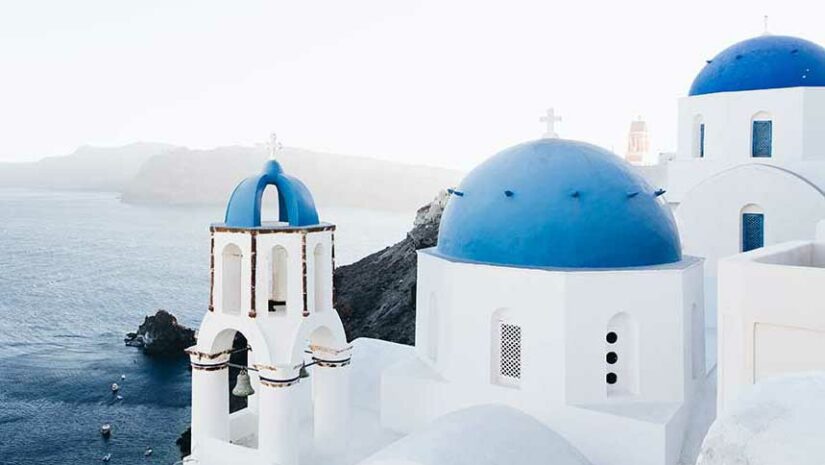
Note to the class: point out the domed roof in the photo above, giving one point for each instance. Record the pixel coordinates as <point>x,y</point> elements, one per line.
<point>295,204</point>
<point>557,203</point>
<point>764,62</point>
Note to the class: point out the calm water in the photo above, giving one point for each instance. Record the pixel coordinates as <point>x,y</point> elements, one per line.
<point>79,270</point>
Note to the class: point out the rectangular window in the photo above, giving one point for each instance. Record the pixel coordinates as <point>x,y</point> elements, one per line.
<point>509,352</point>
<point>702,140</point>
<point>762,139</point>
<point>753,231</point>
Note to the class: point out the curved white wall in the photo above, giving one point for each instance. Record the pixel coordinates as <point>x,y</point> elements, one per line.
<point>709,217</point>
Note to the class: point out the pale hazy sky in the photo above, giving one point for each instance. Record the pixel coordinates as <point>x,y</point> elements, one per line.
<point>436,82</point>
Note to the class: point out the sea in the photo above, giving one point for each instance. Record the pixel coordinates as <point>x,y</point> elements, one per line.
<point>78,270</point>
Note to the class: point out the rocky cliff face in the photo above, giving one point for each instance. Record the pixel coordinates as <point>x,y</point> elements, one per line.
<point>160,335</point>
<point>375,296</point>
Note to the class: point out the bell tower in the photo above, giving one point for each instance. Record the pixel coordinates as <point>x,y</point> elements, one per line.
<point>271,281</point>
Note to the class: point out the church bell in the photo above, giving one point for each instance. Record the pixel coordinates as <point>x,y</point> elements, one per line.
<point>243,388</point>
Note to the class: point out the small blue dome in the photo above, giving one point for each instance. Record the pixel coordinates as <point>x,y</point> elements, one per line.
<point>295,204</point>
<point>557,203</point>
<point>764,62</point>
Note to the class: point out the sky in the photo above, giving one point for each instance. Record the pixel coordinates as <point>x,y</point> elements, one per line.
<point>434,82</point>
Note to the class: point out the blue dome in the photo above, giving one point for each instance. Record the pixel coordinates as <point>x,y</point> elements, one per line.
<point>295,204</point>
<point>765,62</point>
<point>557,203</point>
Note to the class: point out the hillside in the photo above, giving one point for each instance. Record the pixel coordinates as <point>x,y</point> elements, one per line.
<point>87,168</point>
<point>199,177</point>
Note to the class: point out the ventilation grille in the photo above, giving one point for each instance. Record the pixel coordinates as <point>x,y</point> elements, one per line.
<point>510,362</point>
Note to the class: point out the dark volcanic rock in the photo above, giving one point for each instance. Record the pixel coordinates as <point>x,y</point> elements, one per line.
<point>375,296</point>
<point>160,335</point>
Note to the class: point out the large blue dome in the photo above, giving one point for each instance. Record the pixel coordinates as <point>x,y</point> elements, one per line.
<point>557,203</point>
<point>765,62</point>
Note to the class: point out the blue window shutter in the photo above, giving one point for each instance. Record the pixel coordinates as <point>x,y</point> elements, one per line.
<point>753,231</point>
<point>762,139</point>
<point>702,140</point>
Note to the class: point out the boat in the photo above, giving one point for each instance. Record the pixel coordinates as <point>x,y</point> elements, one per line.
<point>106,430</point>
<point>107,457</point>
<point>148,452</point>
<point>115,387</point>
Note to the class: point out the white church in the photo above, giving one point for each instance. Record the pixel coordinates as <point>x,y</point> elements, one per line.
<point>562,316</point>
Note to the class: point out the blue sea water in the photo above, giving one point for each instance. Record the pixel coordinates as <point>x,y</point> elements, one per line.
<point>78,271</point>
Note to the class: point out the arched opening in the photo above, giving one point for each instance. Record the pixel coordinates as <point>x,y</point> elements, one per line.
<point>762,135</point>
<point>698,138</point>
<point>270,205</point>
<point>752,227</point>
<point>321,265</point>
<point>433,329</point>
<point>231,268</point>
<point>506,337</point>
<point>278,279</point>
<point>240,414</point>
<point>621,356</point>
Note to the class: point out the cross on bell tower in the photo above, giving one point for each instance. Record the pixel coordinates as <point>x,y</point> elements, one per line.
<point>273,145</point>
<point>550,119</point>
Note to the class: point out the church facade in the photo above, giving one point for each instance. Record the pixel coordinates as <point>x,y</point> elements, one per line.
<point>561,316</point>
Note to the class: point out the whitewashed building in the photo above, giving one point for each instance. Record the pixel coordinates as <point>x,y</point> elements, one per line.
<point>750,165</point>
<point>771,314</point>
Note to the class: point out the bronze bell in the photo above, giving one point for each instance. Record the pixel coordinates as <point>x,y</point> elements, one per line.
<point>303,373</point>
<point>243,388</point>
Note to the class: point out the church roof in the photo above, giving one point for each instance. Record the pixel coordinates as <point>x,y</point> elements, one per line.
<point>558,203</point>
<point>482,434</point>
<point>764,62</point>
<point>295,204</point>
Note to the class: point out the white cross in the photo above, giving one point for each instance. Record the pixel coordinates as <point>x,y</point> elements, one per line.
<point>274,146</point>
<point>765,21</point>
<point>550,119</point>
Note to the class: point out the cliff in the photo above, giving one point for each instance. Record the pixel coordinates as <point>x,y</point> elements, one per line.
<point>375,296</point>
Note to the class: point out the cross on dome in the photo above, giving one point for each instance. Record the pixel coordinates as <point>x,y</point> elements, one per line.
<point>273,145</point>
<point>550,119</point>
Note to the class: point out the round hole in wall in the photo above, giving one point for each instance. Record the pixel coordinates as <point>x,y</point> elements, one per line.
<point>612,337</point>
<point>612,357</point>
<point>611,378</point>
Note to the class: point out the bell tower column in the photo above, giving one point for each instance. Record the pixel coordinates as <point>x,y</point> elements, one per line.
<point>278,414</point>
<point>210,398</point>
<point>331,386</point>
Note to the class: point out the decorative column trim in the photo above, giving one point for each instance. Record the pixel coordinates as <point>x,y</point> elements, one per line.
<point>202,367</point>
<point>279,383</point>
<point>305,313</point>
<point>212,272</point>
<point>332,363</point>
<point>254,258</point>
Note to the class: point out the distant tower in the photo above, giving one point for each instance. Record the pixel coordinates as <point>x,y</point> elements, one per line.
<point>271,281</point>
<point>638,142</point>
<point>550,119</point>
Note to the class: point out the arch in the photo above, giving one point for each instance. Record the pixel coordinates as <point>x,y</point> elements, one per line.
<point>698,136</point>
<point>433,328</point>
<point>278,278</point>
<point>231,272</point>
<point>762,135</point>
<point>320,281</point>
<point>621,356</point>
<point>751,227</point>
<point>295,204</point>
<point>310,333</point>
<point>506,336</point>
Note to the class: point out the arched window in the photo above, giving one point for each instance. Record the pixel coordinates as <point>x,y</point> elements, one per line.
<point>433,329</point>
<point>762,135</point>
<point>232,259</point>
<point>698,136</point>
<point>753,227</point>
<point>278,279</point>
<point>321,275</point>
<point>507,341</point>
<point>621,356</point>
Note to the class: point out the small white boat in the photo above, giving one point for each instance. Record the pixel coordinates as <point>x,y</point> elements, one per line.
<point>107,457</point>
<point>148,452</point>
<point>115,387</point>
<point>122,377</point>
<point>106,430</point>
<point>119,397</point>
